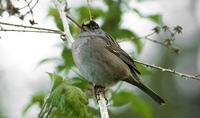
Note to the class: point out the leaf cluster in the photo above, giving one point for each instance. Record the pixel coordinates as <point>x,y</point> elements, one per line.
<point>65,100</point>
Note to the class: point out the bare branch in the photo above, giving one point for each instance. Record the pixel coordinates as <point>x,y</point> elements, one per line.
<point>35,31</point>
<point>155,41</point>
<point>31,27</point>
<point>167,42</point>
<point>62,6</point>
<point>182,75</point>
<point>147,37</point>
<point>73,21</point>
<point>30,11</point>
<point>102,105</point>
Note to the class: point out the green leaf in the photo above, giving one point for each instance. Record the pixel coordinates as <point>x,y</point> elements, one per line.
<point>60,68</point>
<point>124,33</point>
<point>155,18</point>
<point>137,43</point>
<point>112,18</point>
<point>67,57</point>
<point>138,105</point>
<point>48,60</point>
<point>143,69</point>
<point>1,115</point>
<point>81,83</point>
<point>84,14</point>
<point>127,34</point>
<point>55,14</point>
<point>69,101</point>
<point>57,80</point>
<point>37,98</point>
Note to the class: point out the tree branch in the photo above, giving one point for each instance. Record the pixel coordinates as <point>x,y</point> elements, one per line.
<point>31,27</point>
<point>182,75</point>
<point>62,5</point>
<point>35,31</point>
<point>168,41</point>
<point>46,30</point>
<point>102,105</point>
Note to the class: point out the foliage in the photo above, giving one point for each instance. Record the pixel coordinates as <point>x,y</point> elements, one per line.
<point>54,12</point>
<point>65,100</point>
<point>21,12</point>
<point>67,97</point>
<point>2,115</point>
<point>137,104</point>
<point>36,98</point>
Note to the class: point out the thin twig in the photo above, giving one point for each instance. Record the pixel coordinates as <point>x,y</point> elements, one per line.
<point>74,21</point>
<point>147,37</point>
<point>155,41</point>
<point>89,11</point>
<point>168,46</point>
<point>34,31</point>
<point>49,112</point>
<point>43,106</point>
<point>182,75</point>
<point>62,6</point>
<point>26,5</point>
<point>30,8</point>
<point>31,27</point>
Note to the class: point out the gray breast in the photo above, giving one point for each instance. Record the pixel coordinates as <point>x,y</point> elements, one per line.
<point>96,63</point>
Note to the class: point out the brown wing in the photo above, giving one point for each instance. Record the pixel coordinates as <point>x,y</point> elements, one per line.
<point>114,47</point>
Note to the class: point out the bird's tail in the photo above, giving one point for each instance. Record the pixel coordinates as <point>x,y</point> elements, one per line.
<point>148,91</point>
<point>151,93</point>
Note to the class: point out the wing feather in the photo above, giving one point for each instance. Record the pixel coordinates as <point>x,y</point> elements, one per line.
<point>114,47</point>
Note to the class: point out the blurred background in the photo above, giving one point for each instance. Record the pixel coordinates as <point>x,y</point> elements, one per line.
<point>21,75</point>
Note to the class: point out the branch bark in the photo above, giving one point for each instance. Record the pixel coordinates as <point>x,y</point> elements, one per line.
<point>62,5</point>
<point>103,105</point>
<point>29,27</point>
<point>182,75</point>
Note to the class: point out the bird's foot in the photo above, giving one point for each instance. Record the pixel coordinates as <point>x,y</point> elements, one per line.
<point>98,90</point>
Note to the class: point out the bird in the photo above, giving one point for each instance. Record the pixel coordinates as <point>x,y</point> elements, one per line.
<point>103,62</point>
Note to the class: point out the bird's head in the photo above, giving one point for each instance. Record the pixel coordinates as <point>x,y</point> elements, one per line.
<point>90,26</point>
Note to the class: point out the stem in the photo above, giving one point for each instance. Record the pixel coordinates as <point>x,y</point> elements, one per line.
<point>183,75</point>
<point>73,21</point>
<point>35,31</point>
<point>61,6</point>
<point>102,105</point>
<point>31,27</point>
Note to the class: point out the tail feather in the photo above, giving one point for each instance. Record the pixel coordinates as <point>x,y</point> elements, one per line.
<point>151,93</point>
<point>147,90</point>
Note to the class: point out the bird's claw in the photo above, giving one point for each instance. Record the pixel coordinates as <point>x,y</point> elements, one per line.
<point>98,90</point>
